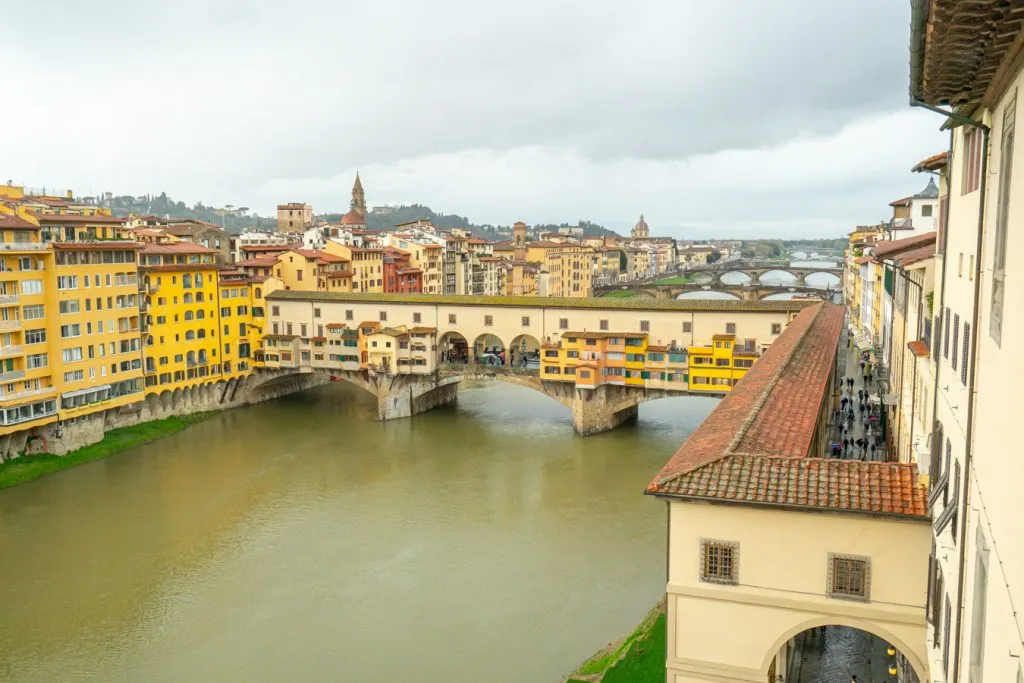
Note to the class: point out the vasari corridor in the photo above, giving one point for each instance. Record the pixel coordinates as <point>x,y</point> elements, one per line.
<point>532,342</point>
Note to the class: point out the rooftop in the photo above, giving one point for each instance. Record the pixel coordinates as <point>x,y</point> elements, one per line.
<point>11,222</point>
<point>177,248</point>
<point>890,247</point>
<point>609,303</point>
<point>82,220</point>
<point>757,446</point>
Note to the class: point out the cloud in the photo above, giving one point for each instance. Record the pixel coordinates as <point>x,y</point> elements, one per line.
<point>740,116</point>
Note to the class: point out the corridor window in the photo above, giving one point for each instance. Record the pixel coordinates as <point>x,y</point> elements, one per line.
<point>417,318</point>
<point>687,327</point>
<point>604,325</point>
<point>645,325</point>
<point>526,321</point>
<point>488,320</point>
<point>719,561</point>
<point>563,323</point>
<point>776,328</point>
<point>849,577</point>
<point>730,328</point>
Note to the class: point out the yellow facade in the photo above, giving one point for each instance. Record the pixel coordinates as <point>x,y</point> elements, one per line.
<point>309,270</point>
<point>366,265</point>
<point>718,367</point>
<point>622,358</point>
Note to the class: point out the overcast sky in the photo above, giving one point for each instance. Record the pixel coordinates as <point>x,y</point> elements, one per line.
<point>734,118</point>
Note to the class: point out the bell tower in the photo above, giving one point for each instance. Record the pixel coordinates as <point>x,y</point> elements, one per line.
<point>519,240</point>
<point>358,203</point>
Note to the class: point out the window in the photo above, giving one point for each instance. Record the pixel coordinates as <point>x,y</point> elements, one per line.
<point>67,282</point>
<point>72,355</point>
<point>956,333</point>
<point>36,360</point>
<point>31,286</point>
<point>730,328</point>
<point>488,320</point>
<point>964,356</point>
<point>604,325</point>
<point>417,318</point>
<point>33,312</point>
<point>302,330</point>
<point>849,577</point>
<point>926,210</point>
<point>970,178</point>
<point>69,306</point>
<point>1002,221</point>
<point>525,321</point>
<point>383,316</point>
<point>776,328</point>
<point>67,331</point>
<point>74,376</point>
<point>645,325</point>
<point>275,311</point>
<point>35,336</point>
<point>563,323</point>
<point>945,636</point>
<point>348,314</point>
<point>687,327</point>
<point>451,318</point>
<point>719,562</point>
<point>945,334</point>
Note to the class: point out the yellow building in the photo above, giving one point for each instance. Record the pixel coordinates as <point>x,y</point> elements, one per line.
<point>311,270</point>
<point>592,358</point>
<point>182,307</point>
<point>401,350</point>
<point>366,265</point>
<point>719,367</point>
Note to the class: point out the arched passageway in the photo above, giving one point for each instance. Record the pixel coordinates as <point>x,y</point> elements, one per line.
<point>735,277</point>
<point>524,352</point>
<point>709,294</point>
<point>777,277</point>
<point>488,349</point>
<point>831,652</point>
<point>452,349</point>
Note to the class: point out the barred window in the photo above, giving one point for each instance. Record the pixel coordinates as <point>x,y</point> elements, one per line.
<point>645,325</point>
<point>687,326</point>
<point>604,325</point>
<point>719,561</point>
<point>730,328</point>
<point>849,577</point>
<point>956,334</point>
<point>964,355</point>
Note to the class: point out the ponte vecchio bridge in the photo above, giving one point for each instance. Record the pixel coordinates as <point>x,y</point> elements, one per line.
<point>448,338</point>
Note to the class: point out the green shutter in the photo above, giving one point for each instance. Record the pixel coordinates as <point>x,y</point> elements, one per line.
<point>889,277</point>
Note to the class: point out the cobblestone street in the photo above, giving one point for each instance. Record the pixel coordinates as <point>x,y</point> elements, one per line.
<point>844,652</point>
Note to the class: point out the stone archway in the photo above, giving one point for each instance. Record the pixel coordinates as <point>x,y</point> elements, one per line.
<point>489,349</point>
<point>453,349</point>
<point>524,352</point>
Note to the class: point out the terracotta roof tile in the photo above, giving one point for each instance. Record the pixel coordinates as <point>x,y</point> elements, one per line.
<point>918,348</point>
<point>16,222</point>
<point>892,246</point>
<point>177,248</point>
<point>757,446</point>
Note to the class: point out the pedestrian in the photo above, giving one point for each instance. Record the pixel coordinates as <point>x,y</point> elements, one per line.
<point>846,444</point>
<point>860,395</point>
<point>863,365</point>
<point>853,679</point>
<point>844,402</point>
<point>872,451</point>
<point>865,379</point>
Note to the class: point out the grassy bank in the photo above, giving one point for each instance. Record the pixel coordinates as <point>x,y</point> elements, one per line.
<point>619,294</point>
<point>29,467</point>
<point>640,658</point>
<point>674,280</point>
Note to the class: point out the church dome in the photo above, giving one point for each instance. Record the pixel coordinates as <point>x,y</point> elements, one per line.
<point>353,217</point>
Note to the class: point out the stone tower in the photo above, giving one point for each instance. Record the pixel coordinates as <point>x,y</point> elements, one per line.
<point>519,240</point>
<point>640,230</point>
<point>358,203</point>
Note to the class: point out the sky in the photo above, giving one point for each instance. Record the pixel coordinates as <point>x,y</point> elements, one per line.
<point>743,118</point>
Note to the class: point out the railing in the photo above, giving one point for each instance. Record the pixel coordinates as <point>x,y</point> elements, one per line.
<point>12,350</point>
<point>10,396</point>
<point>12,375</point>
<point>8,299</point>
<point>23,246</point>
<point>10,324</point>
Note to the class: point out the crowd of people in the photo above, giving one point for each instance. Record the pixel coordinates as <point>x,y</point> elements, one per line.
<point>857,419</point>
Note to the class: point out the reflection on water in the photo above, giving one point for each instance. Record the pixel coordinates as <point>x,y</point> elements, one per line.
<point>302,540</point>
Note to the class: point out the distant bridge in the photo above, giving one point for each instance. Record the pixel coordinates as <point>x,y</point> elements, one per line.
<point>743,292</point>
<point>754,270</point>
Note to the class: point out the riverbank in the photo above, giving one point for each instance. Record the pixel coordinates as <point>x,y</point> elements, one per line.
<point>29,467</point>
<point>639,658</point>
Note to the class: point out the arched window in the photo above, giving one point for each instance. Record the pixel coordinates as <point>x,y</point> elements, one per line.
<point>202,356</point>
<point>149,301</point>
<point>187,298</point>
<point>190,357</point>
<point>190,335</point>
<point>199,296</point>
<point>188,315</point>
<point>201,334</point>
<point>199,279</point>
<point>200,314</point>
<point>186,280</point>
<point>259,293</point>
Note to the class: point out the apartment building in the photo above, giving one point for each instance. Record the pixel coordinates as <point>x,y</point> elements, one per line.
<point>425,253</point>
<point>294,217</point>
<point>717,368</point>
<point>365,263</point>
<point>311,270</point>
<point>965,55</point>
<point>591,358</point>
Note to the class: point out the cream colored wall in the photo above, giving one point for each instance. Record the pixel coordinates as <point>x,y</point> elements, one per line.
<point>997,468</point>
<point>507,321</point>
<point>735,631</point>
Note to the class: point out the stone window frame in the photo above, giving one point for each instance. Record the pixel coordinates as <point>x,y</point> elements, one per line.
<point>488,321</point>
<point>734,574</point>
<point>830,578</point>
<point>687,327</point>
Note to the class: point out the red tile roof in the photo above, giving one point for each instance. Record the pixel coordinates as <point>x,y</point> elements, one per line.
<point>885,248</point>
<point>864,259</point>
<point>87,220</point>
<point>264,262</point>
<point>758,446</point>
<point>177,248</point>
<point>932,163</point>
<point>16,223</point>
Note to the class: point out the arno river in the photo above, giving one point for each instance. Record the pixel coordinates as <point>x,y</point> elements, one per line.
<point>300,540</point>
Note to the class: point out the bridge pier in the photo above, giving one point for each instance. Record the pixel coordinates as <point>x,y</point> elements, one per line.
<point>603,409</point>
<point>401,396</point>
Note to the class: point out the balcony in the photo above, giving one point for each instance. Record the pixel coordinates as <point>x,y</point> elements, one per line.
<point>23,246</point>
<point>28,393</point>
<point>8,299</point>
<point>13,350</point>
<point>10,324</point>
<point>12,375</point>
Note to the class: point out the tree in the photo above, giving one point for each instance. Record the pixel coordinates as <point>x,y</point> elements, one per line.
<point>714,256</point>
